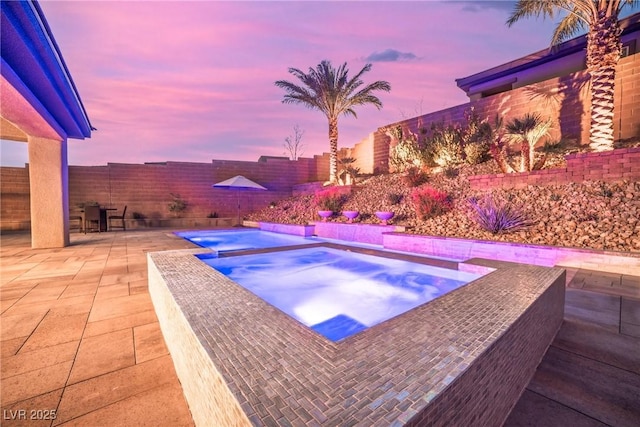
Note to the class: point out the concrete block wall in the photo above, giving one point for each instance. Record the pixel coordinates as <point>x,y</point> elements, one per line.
<point>14,205</point>
<point>566,100</point>
<point>627,98</point>
<point>616,165</point>
<point>147,188</point>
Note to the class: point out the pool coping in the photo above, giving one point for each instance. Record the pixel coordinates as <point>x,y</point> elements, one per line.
<point>242,361</point>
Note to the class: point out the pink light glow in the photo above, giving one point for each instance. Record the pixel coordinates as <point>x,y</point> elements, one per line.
<point>194,81</point>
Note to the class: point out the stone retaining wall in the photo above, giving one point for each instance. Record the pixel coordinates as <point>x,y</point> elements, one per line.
<point>616,165</point>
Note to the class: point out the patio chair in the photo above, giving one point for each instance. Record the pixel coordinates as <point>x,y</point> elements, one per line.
<point>75,222</point>
<point>119,220</point>
<point>91,217</point>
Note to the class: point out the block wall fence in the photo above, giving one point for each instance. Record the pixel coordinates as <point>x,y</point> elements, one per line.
<point>146,188</point>
<point>566,100</point>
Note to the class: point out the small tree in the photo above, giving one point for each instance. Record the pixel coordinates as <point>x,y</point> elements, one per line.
<point>177,205</point>
<point>528,130</point>
<point>293,143</point>
<point>347,173</point>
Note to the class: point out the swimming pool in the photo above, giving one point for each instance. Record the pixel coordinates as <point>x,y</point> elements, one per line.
<point>338,292</point>
<point>235,240</point>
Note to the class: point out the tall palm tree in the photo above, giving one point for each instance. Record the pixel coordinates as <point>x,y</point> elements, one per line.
<point>603,50</point>
<point>331,91</point>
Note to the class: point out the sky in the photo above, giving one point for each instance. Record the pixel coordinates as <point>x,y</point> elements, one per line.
<point>192,81</point>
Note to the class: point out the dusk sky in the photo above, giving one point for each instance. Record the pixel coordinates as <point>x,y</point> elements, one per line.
<point>194,80</point>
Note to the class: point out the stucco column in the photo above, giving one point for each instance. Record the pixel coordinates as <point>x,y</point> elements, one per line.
<point>49,184</point>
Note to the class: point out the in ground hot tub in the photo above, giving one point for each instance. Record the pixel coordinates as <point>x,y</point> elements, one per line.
<point>462,359</point>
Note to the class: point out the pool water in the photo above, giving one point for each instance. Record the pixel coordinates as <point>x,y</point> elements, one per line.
<point>235,240</point>
<point>335,292</point>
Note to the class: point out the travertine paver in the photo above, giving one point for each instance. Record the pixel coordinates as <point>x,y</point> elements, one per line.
<point>80,337</point>
<point>147,392</point>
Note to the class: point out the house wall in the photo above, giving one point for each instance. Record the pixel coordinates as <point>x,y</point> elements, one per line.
<point>566,100</point>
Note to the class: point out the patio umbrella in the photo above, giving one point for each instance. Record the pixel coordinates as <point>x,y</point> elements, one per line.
<point>238,183</point>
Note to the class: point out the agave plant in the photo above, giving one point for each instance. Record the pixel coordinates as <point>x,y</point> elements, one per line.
<point>498,216</point>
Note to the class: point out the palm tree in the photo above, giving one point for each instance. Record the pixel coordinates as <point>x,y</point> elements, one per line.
<point>331,91</point>
<point>603,50</point>
<point>528,130</point>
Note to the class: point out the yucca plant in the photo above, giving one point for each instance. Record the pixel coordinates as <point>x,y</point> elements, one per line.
<point>498,216</point>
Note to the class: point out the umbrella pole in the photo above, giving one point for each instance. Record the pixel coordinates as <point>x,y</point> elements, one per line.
<point>238,194</point>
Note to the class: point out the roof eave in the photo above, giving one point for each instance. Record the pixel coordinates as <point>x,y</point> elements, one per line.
<point>36,63</point>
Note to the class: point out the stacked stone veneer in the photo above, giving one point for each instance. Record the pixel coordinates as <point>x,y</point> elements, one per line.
<point>616,165</point>
<point>462,359</point>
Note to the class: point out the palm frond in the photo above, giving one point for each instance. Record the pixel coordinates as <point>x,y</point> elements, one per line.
<point>567,29</point>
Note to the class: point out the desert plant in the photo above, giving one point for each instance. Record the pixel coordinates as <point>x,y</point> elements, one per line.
<point>528,130</point>
<point>212,215</point>
<point>347,173</point>
<point>429,202</point>
<point>394,198</point>
<point>475,136</point>
<point>138,215</point>
<point>498,146</point>
<point>604,48</point>
<point>475,152</point>
<point>451,172</point>
<point>414,177</point>
<point>444,145</point>
<point>177,204</point>
<point>330,199</point>
<point>498,216</point>
<point>407,152</point>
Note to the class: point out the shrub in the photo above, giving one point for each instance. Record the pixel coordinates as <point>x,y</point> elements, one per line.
<point>415,177</point>
<point>451,172</point>
<point>177,205</point>
<point>429,202</point>
<point>212,215</point>
<point>498,216</point>
<point>330,199</point>
<point>476,152</point>
<point>138,215</point>
<point>407,153</point>
<point>445,148</point>
<point>395,198</point>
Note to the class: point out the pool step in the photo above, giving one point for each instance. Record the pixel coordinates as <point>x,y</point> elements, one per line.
<point>338,327</point>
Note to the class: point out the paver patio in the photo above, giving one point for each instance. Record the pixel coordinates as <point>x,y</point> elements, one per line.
<point>79,336</point>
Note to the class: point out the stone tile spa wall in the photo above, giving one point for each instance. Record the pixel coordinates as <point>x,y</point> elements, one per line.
<point>462,359</point>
